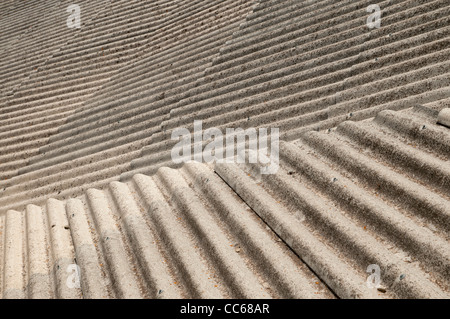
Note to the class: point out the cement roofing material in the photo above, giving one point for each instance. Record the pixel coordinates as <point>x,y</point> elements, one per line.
<point>373,192</point>
<point>66,80</point>
<point>188,39</point>
<point>24,51</point>
<point>88,177</point>
<point>444,117</point>
<point>265,72</point>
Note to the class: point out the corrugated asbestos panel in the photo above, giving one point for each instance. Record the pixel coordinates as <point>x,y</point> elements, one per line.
<point>295,65</point>
<point>173,235</point>
<point>61,130</point>
<point>90,191</point>
<point>85,60</point>
<point>32,33</point>
<point>367,193</point>
<point>373,192</point>
<point>310,65</point>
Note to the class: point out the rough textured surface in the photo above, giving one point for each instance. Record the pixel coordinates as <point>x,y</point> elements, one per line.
<point>296,65</point>
<point>104,110</point>
<point>444,117</point>
<point>370,192</point>
<point>86,176</point>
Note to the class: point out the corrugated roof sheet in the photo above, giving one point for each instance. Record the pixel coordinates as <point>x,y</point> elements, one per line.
<point>364,173</point>
<point>341,201</point>
<point>177,42</point>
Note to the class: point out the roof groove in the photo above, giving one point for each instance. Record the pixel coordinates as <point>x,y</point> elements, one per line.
<point>87,178</point>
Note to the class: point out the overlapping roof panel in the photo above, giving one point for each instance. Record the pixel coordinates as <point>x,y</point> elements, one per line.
<point>341,201</point>
<point>89,186</point>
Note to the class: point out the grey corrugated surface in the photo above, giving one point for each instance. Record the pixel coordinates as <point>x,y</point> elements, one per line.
<point>110,127</point>
<point>298,66</point>
<point>367,192</point>
<point>371,192</point>
<point>132,241</point>
<point>84,61</point>
<point>376,191</point>
<point>311,65</point>
<point>25,51</point>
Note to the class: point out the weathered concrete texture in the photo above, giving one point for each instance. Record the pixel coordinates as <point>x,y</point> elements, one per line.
<point>86,175</point>
<point>376,191</point>
<point>177,42</point>
<point>84,60</point>
<point>444,117</point>
<point>313,68</point>
<point>130,241</point>
<point>26,50</point>
<point>299,66</point>
<point>365,193</point>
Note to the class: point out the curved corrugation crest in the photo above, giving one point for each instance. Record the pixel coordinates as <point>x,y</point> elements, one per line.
<point>93,206</point>
<point>343,202</point>
<point>93,122</point>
